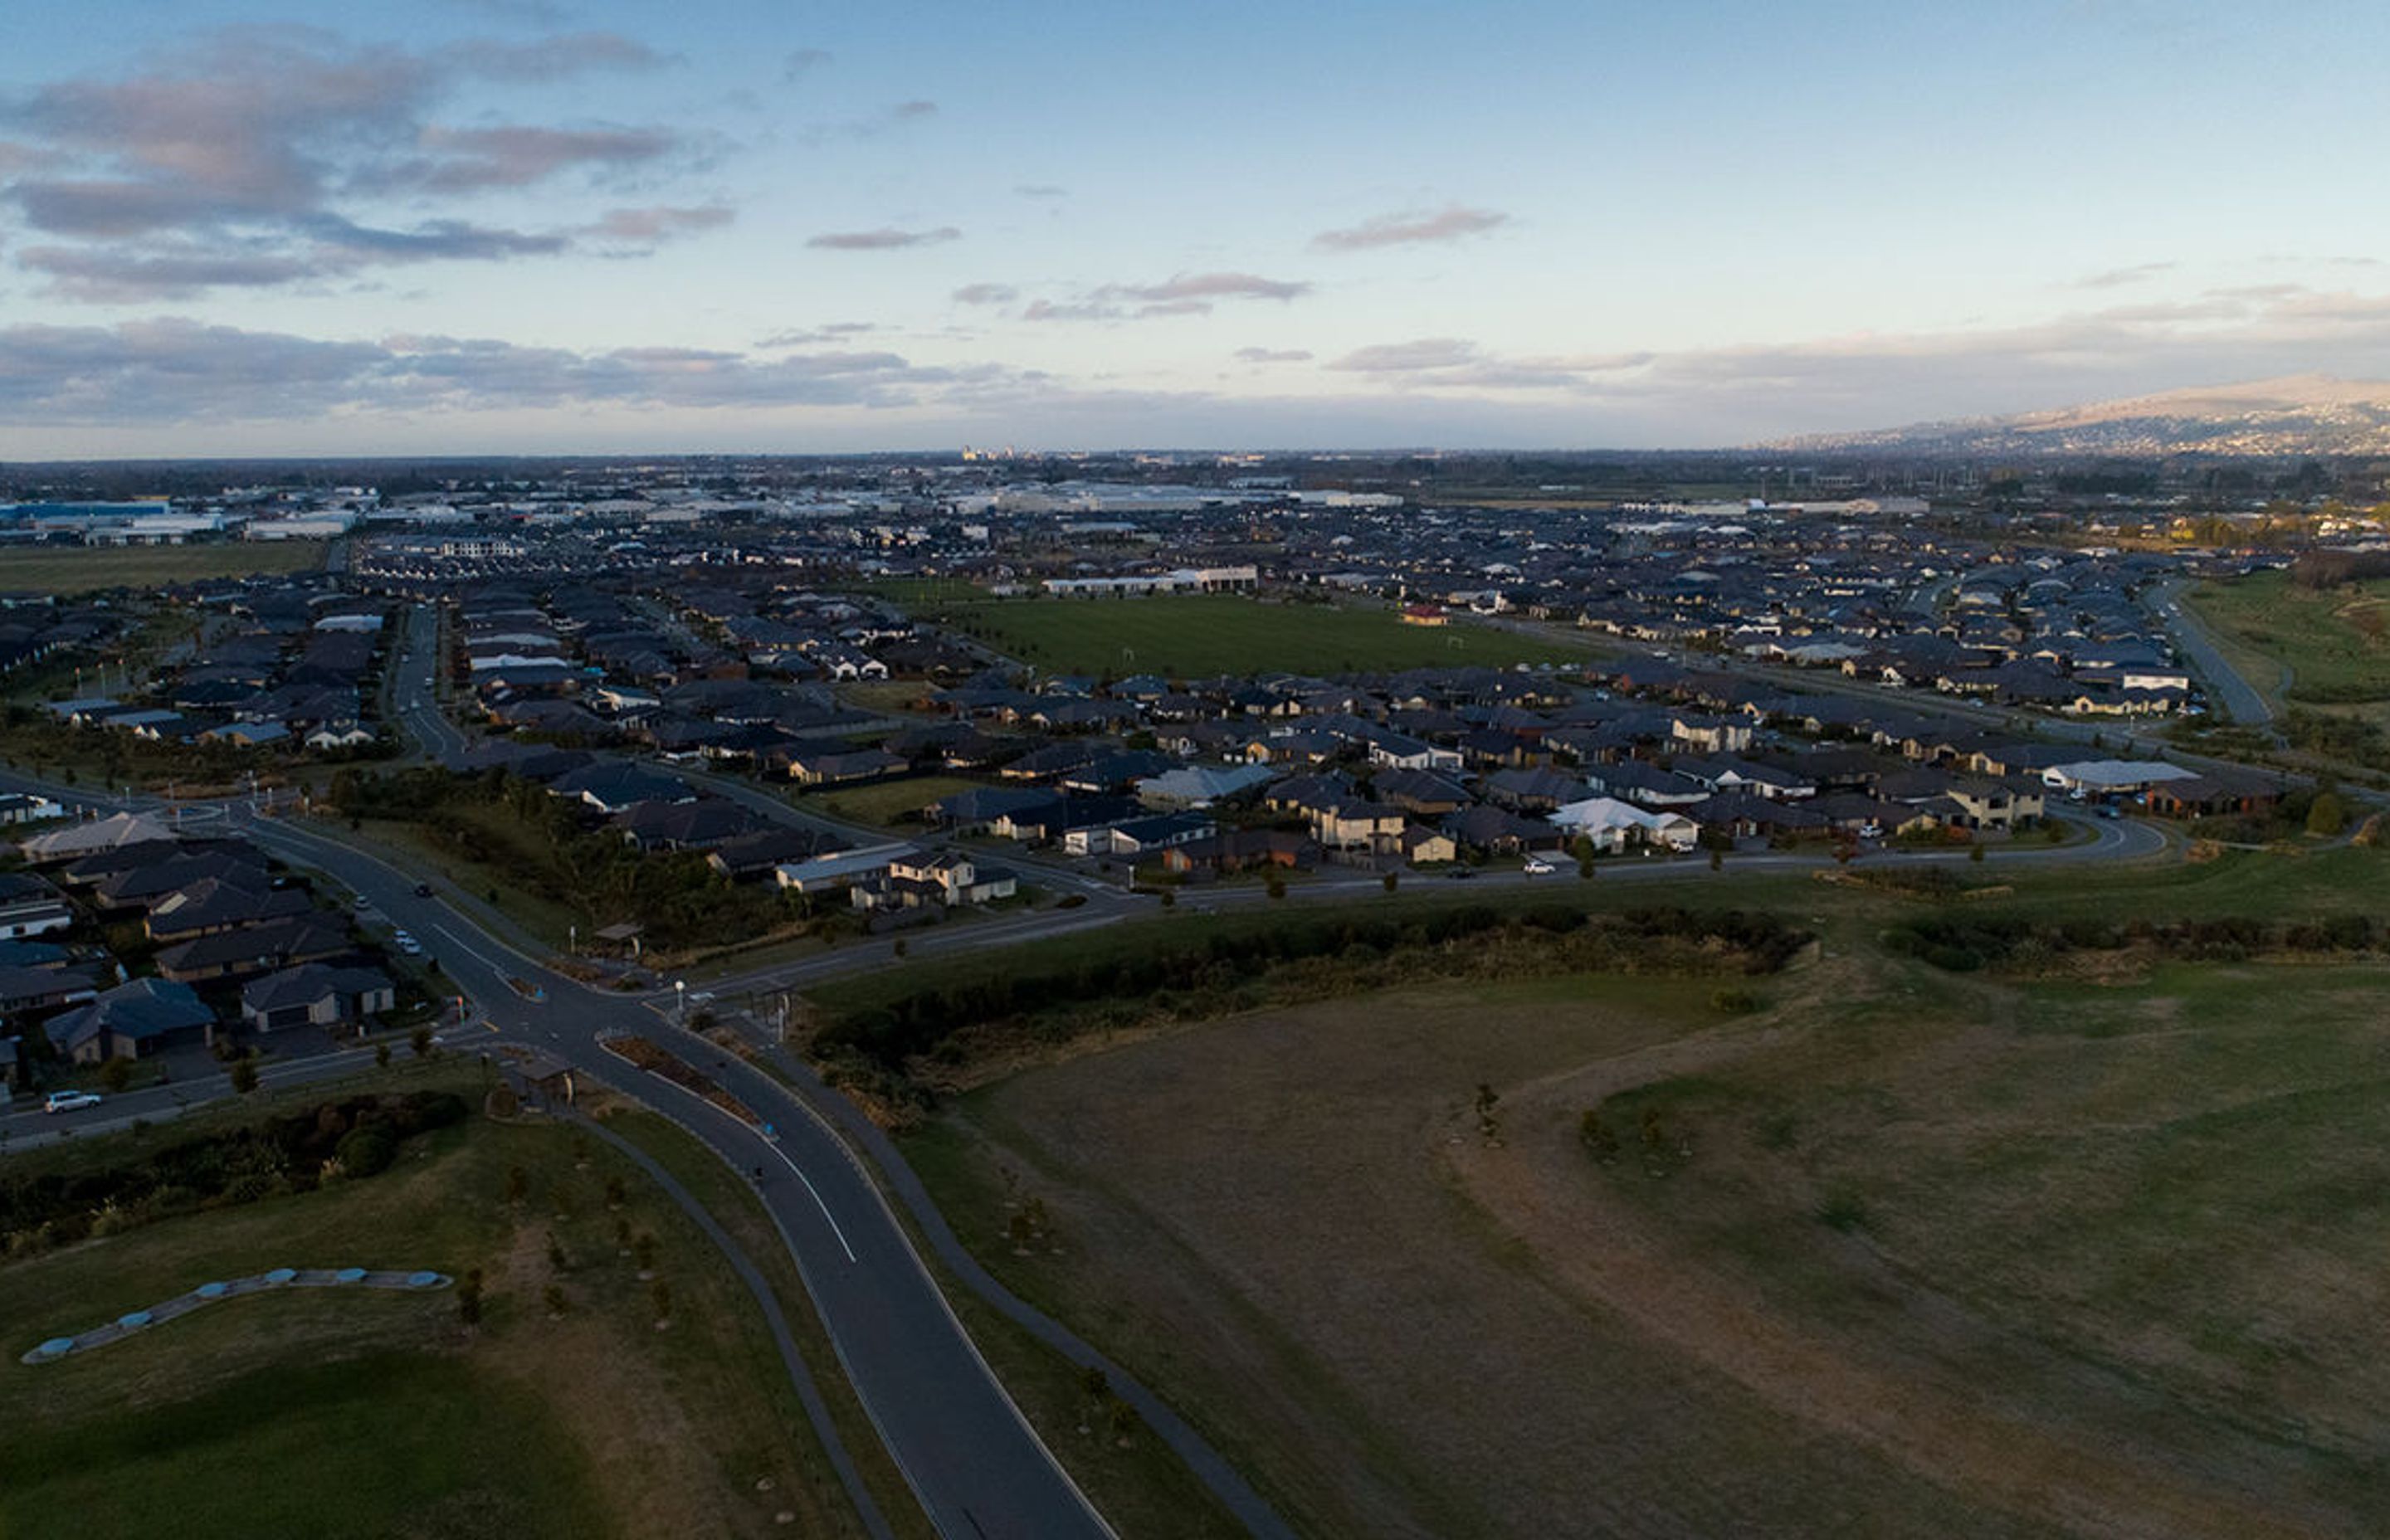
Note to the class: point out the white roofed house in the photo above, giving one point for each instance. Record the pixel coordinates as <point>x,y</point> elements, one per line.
<point>941,879</point>
<point>1614,826</point>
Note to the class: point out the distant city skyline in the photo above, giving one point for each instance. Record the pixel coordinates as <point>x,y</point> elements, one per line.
<point>510,226</point>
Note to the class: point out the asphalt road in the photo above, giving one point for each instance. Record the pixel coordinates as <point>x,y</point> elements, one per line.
<point>2240,700</point>
<point>970,1458</point>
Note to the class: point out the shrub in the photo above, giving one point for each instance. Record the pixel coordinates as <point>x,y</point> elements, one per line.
<point>366,1151</point>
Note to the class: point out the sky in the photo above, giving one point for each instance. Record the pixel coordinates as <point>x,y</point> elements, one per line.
<point>478,227</point>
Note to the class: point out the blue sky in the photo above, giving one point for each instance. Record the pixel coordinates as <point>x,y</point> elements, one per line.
<point>477,225</point>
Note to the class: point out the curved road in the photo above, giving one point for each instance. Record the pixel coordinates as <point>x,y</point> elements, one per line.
<point>969,1457</point>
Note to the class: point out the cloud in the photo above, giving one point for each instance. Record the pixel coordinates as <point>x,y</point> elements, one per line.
<point>661,223</point>
<point>550,58</point>
<point>883,239</point>
<point>1185,294</point>
<point>2117,277</point>
<point>269,147</point>
<point>1410,229</point>
<point>1428,352</point>
<point>172,371</point>
<point>1206,286</point>
<point>1040,189</point>
<point>835,331</point>
<point>894,118</point>
<point>473,159</point>
<point>803,62</point>
<point>1274,355</point>
<point>986,294</point>
<point>1048,310</point>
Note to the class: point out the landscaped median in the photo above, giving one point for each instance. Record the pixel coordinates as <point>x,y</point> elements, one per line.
<point>645,1054</point>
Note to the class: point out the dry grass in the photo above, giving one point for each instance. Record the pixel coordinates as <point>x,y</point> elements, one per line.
<point>2104,1259</point>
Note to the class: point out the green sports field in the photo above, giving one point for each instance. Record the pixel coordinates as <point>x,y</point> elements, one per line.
<point>65,570</point>
<point>1198,636</point>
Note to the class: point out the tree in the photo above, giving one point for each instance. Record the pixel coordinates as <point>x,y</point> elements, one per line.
<point>1975,853</point>
<point>244,1074</point>
<point>553,1295</point>
<point>1275,886</point>
<point>659,1296</point>
<point>1717,859</point>
<point>557,1259</point>
<point>1599,1138</point>
<point>381,1055</point>
<point>420,1041</point>
<point>643,1251</point>
<point>1393,880</point>
<point>2327,815</point>
<point>615,1193</point>
<point>1487,1099</point>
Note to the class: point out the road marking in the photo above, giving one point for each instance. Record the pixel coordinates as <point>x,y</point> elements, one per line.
<point>791,1165</point>
<point>441,930</point>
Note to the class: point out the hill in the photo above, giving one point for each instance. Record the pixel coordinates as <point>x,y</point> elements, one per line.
<point>2296,414</point>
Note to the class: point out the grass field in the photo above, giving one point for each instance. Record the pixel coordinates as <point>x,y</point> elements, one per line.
<point>84,569</point>
<point>1200,635</point>
<point>2337,642</point>
<point>322,1411</point>
<point>887,803</point>
<point>2100,1252</point>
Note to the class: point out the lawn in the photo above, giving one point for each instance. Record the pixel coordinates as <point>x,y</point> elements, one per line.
<point>2335,642</point>
<point>2096,1250</point>
<point>1201,636</point>
<point>382,1414</point>
<point>887,803</point>
<point>84,569</point>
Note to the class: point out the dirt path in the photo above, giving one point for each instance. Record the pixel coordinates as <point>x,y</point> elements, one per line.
<point>1915,1410</point>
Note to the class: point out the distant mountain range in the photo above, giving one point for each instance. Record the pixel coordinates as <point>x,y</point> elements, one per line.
<point>2299,415</point>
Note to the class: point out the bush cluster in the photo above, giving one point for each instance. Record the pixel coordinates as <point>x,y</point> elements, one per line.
<point>1962,943</point>
<point>1226,965</point>
<point>357,1137</point>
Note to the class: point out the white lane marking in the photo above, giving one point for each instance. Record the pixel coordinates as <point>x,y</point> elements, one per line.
<point>462,946</point>
<point>828,1217</point>
<point>791,1165</point>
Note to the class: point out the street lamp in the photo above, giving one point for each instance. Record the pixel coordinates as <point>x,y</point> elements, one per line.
<point>680,1000</point>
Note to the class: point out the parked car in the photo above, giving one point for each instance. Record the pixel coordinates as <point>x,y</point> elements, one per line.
<point>406,943</point>
<point>70,1101</point>
<point>1538,867</point>
<point>423,889</point>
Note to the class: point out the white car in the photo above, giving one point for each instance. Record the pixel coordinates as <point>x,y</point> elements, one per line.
<point>1536,867</point>
<point>70,1101</point>
<point>406,943</point>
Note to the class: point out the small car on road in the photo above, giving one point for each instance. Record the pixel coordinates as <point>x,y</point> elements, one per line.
<point>70,1101</point>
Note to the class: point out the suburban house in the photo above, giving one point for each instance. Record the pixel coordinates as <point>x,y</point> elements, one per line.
<point>1614,826</point>
<point>30,906</point>
<point>133,1021</point>
<point>946,879</point>
<point>317,994</point>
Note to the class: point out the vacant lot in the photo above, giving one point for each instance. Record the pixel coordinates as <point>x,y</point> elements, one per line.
<point>381,1414</point>
<point>2335,642</point>
<point>1904,1252</point>
<point>1221,633</point>
<point>890,802</point>
<point>84,569</point>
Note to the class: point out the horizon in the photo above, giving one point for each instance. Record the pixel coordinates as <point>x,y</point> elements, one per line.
<point>534,230</point>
